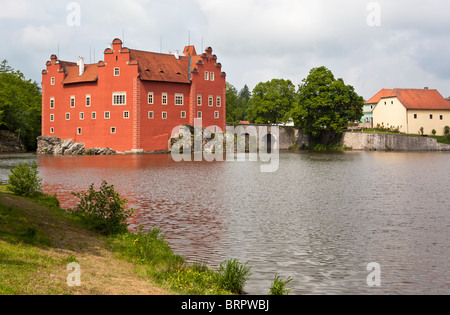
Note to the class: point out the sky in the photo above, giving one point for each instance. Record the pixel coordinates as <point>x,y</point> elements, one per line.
<point>371,45</point>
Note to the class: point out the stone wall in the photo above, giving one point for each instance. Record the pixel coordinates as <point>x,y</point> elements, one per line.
<point>9,143</point>
<point>390,142</point>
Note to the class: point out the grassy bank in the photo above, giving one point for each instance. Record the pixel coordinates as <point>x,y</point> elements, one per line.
<point>38,240</point>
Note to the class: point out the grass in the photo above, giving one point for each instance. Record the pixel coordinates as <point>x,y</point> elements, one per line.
<point>38,240</point>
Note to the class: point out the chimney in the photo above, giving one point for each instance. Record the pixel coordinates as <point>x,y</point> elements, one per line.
<point>426,88</point>
<point>177,54</point>
<point>80,63</point>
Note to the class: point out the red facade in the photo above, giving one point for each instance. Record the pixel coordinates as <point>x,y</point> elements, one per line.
<point>132,100</point>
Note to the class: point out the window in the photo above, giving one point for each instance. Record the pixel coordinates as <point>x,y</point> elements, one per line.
<point>72,101</point>
<point>179,99</point>
<point>52,81</point>
<point>211,101</point>
<point>431,116</point>
<point>52,130</point>
<point>79,131</point>
<point>120,98</point>
<point>67,116</point>
<point>52,103</point>
<point>116,72</point>
<point>216,115</point>
<point>151,115</point>
<point>52,117</point>
<point>94,115</point>
<point>164,98</point>
<point>199,115</point>
<point>183,114</point>
<point>206,75</point>
<point>81,116</point>
<point>107,115</point>
<point>151,98</point>
<point>199,100</point>
<point>441,117</point>
<point>164,115</point>
<point>219,101</point>
<point>88,101</point>
<point>211,76</point>
<point>113,130</point>
<point>126,115</point>
<point>415,116</point>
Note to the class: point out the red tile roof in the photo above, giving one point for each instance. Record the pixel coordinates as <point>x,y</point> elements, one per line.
<point>414,98</point>
<point>380,95</point>
<point>72,70</point>
<point>161,67</point>
<point>421,99</point>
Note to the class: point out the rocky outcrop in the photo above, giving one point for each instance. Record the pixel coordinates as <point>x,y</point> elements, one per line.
<point>57,146</point>
<point>9,143</point>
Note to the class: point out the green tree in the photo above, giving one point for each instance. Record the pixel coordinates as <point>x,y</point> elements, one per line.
<point>232,104</point>
<point>25,181</point>
<point>20,105</point>
<point>325,104</point>
<point>272,102</point>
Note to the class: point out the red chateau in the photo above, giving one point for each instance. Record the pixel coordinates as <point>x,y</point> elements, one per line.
<point>131,101</point>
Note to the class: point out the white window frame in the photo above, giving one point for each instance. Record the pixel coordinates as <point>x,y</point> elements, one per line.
<point>199,115</point>
<point>206,75</point>
<point>199,100</point>
<point>151,115</point>
<point>211,76</point>
<point>79,131</point>
<point>52,81</point>
<point>72,101</point>
<point>81,116</point>
<point>210,101</point>
<point>113,130</point>
<point>52,130</point>
<point>117,72</point>
<point>94,115</point>
<point>164,115</point>
<point>164,99</point>
<point>52,117</point>
<point>88,100</point>
<point>67,116</point>
<point>151,98</point>
<point>216,114</point>
<point>119,98</point>
<point>107,114</point>
<point>179,99</point>
<point>126,115</point>
<point>219,101</point>
<point>183,115</point>
<point>52,102</point>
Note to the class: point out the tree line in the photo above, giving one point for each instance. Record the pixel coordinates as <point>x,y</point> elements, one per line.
<point>321,103</point>
<point>20,106</point>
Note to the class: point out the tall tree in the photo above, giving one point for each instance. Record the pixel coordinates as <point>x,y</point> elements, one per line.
<point>272,102</point>
<point>20,105</point>
<point>325,104</point>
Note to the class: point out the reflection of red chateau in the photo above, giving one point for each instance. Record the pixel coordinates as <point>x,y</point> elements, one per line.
<point>133,99</point>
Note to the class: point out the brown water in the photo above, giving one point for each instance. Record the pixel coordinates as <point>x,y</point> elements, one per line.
<point>321,219</point>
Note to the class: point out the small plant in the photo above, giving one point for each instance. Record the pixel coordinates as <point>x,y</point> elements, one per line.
<point>103,210</point>
<point>446,130</point>
<point>232,275</point>
<point>24,180</point>
<point>433,132</point>
<point>278,286</point>
<point>421,130</point>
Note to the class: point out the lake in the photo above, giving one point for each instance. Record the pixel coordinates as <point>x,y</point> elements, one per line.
<point>320,219</point>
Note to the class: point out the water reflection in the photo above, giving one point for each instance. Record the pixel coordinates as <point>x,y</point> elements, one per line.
<point>320,219</point>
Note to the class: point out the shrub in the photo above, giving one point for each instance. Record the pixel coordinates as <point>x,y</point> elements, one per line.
<point>278,286</point>
<point>446,130</point>
<point>24,180</point>
<point>232,276</point>
<point>433,132</point>
<point>103,210</point>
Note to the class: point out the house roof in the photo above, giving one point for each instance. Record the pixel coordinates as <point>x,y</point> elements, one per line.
<point>414,98</point>
<point>161,67</point>
<point>90,74</point>
<point>380,95</point>
<point>421,99</point>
